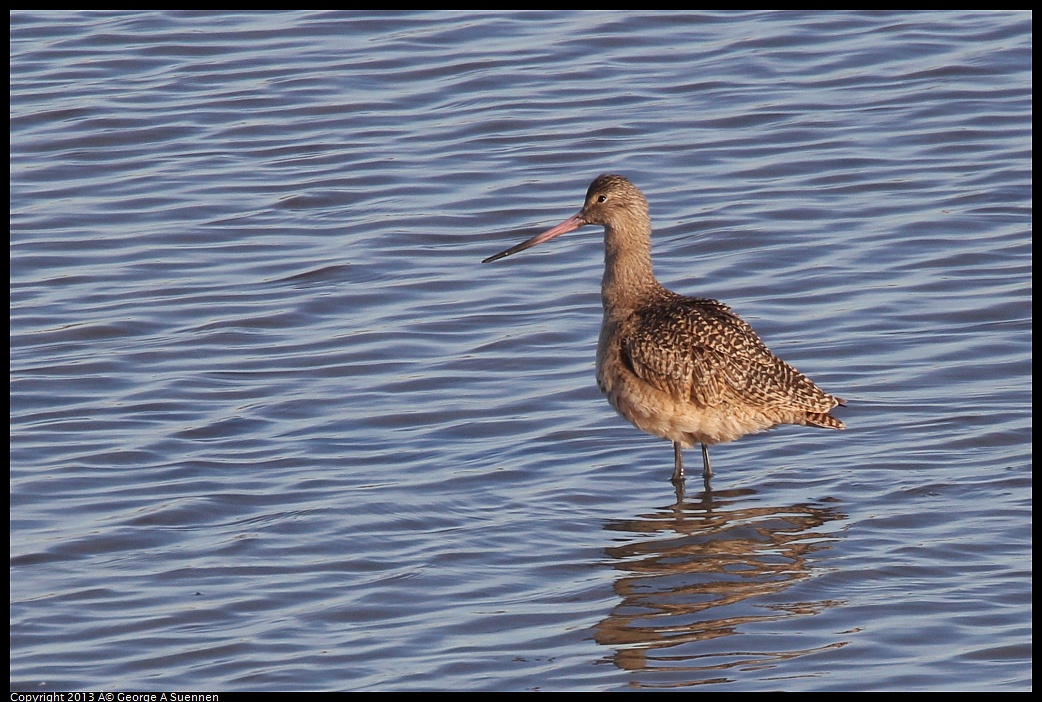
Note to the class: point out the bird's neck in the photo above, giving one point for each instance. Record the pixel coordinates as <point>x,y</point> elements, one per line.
<point>629,280</point>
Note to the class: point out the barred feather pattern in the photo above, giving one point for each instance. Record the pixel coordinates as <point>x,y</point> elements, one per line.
<point>701,354</point>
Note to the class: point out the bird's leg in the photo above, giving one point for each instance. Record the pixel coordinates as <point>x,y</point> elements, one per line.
<point>678,464</point>
<point>707,471</point>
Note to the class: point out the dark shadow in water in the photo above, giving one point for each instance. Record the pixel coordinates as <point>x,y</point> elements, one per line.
<point>697,575</point>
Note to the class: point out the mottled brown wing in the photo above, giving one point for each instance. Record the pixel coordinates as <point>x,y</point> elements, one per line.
<point>699,351</point>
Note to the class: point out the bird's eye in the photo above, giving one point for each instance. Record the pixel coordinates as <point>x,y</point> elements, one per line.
<point>602,198</point>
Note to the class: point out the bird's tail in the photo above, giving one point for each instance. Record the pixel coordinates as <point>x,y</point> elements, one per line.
<point>823,420</point>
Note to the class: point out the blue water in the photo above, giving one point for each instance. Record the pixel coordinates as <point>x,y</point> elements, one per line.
<point>274,426</point>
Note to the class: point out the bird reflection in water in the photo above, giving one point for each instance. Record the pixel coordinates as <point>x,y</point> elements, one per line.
<point>695,577</point>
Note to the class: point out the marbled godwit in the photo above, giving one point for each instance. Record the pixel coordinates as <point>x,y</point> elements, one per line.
<point>687,369</point>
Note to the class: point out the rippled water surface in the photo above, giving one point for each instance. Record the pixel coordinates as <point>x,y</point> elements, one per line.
<point>275,426</point>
